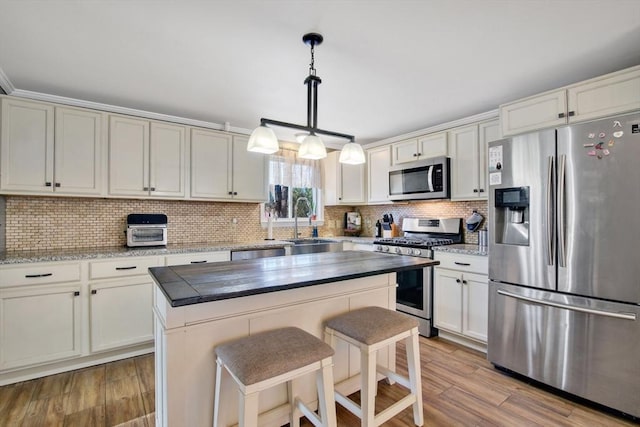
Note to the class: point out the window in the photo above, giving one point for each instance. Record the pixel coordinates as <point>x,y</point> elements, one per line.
<point>290,179</point>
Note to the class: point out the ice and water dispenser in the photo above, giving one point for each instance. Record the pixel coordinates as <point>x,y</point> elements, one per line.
<point>511,212</point>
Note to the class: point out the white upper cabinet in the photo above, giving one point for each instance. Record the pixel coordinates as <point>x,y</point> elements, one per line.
<point>343,184</point>
<point>378,162</point>
<point>249,172</point>
<point>424,147</point>
<point>222,168</point>
<point>599,97</point>
<point>468,152</point>
<point>146,159</point>
<point>47,149</point>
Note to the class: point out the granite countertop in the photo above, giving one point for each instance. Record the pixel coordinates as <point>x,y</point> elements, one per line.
<point>22,257</point>
<point>462,248</point>
<point>198,283</point>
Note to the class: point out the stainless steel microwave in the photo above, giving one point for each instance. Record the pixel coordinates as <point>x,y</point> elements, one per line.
<point>420,180</point>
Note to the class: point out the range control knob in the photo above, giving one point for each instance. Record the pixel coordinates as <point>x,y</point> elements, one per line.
<point>417,252</point>
<point>385,249</point>
<point>379,248</point>
<point>398,250</point>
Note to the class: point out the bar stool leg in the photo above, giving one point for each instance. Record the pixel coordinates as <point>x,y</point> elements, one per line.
<point>249,409</point>
<point>216,398</point>
<point>295,412</point>
<point>326,402</point>
<point>413,363</point>
<point>369,386</point>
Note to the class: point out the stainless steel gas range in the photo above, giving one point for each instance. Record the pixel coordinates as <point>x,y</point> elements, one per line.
<point>414,295</point>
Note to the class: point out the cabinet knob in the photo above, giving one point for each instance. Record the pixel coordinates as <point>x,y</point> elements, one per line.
<point>457,280</point>
<point>76,294</point>
<point>153,188</point>
<point>94,291</point>
<point>415,154</point>
<point>230,193</point>
<point>561,115</point>
<point>57,184</point>
<point>572,113</point>
<point>235,193</point>
<point>47,184</point>
<point>464,282</point>
<point>475,190</point>
<point>482,190</point>
<point>145,188</point>
<point>419,154</point>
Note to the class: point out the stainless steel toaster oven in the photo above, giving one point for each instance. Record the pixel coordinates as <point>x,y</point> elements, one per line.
<point>146,230</point>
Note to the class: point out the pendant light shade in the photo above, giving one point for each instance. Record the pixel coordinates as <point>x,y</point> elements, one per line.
<point>352,154</point>
<point>312,148</point>
<point>263,140</point>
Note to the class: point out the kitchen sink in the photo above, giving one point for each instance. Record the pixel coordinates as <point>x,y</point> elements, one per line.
<point>313,246</point>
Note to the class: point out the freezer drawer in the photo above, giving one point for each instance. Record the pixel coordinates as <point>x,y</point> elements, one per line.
<point>586,347</point>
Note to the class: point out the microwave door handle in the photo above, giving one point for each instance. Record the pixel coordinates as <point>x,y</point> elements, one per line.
<point>430,178</point>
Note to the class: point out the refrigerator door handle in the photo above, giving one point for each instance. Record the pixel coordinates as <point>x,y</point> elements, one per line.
<point>617,315</point>
<point>562,250</point>
<point>550,227</point>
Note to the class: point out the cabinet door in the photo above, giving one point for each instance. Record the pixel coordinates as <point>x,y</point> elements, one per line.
<point>78,152</point>
<point>330,180</point>
<point>249,172</point>
<point>210,165</point>
<point>487,132</point>
<point>404,151</point>
<point>167,160</point>
<point>475,306</point>
<point>447,300</point>
<point>463,149</point>
<point>121,313</point>
<point>604,96</point>
<point>378,162</point>
<point>27,146</point>
<point>534,113</point>
<point>39,324</point>
<point>352,183</point>
<point>433,145</point>
<point>128,156</point>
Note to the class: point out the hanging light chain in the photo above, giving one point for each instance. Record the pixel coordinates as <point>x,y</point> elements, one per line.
<point>312,70</point>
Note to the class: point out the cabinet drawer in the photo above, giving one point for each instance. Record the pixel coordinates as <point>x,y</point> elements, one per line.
<point>198,257</point>
<point>462,262</point>
<point>40,273</point>
<point>122,267</point>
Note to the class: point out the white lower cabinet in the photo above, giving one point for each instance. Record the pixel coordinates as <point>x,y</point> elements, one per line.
<point>461,297</point>
<point>121,307</point>
<point>121,313</point>
<point>39,324</point>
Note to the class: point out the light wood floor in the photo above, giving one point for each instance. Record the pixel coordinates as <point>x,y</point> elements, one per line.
<point>460,388</point>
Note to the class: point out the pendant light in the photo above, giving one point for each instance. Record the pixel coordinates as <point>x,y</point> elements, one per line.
<point>264,140</point>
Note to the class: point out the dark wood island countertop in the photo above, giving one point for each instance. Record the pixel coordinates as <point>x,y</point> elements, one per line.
<point>198,283</point>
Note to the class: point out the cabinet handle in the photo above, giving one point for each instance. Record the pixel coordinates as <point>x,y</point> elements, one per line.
<point>419,154</point>
<point>230,193</point>
<point>198,262</point>
<point>475,190</point>
<point>47,184</point>
<point>482,190</point>
<point>464,282</point>
<point>153,189</point>
<point>76,294</point>
<point>145,188</point>
<point>561,115</point>
<point>235,193</point>
<point>415,154</point>
<point>572,113</point>
<point>57,184</point>
<point>32,276</point>
<point>94,291</point>
<point>126,268</point>
<point>457,280</point>
<point>462,263</point>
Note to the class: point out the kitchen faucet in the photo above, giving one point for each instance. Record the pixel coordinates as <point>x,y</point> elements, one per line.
<point>295,215</point>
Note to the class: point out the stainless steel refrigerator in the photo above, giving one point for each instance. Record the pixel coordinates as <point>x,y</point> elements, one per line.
<point>564,259</point>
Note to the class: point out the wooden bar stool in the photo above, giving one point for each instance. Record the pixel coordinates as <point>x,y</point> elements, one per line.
<point>266,359</point>
<point>371,329</point>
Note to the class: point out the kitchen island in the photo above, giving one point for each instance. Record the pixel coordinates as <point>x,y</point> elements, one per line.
<point>199,306</point>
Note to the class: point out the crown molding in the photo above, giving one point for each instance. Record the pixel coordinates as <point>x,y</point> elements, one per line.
<point>124,110</point>
<point>489,115</point>
<point>5,83</point>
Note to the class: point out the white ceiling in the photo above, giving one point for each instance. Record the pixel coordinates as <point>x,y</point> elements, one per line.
<point>387,66</point>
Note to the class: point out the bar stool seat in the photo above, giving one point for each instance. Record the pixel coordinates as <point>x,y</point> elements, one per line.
<point>371,329</point>
<point>266,359</point>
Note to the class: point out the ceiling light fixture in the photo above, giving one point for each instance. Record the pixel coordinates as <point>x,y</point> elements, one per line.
<point>264,140</point>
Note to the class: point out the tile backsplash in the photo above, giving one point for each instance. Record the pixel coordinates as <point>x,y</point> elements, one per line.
<point>38,223</point>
